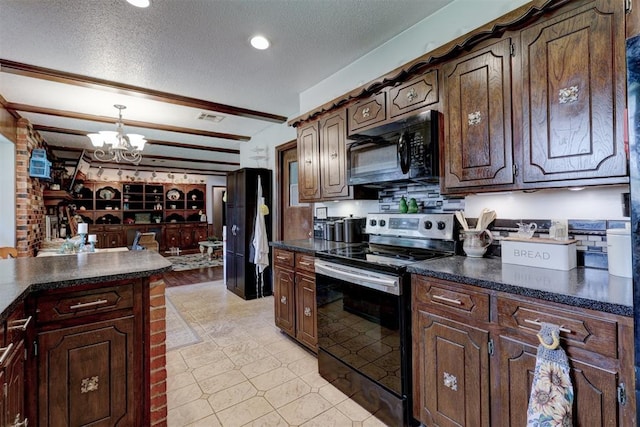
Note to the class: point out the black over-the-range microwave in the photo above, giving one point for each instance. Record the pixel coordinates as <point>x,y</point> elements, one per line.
<point>398,151</point>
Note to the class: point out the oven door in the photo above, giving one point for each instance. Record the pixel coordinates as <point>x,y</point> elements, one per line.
<point>364,327</point>
<point>371,162</point>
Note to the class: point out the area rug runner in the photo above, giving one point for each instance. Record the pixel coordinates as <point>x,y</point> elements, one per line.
<point>179,333</point>
<point>193,261</point>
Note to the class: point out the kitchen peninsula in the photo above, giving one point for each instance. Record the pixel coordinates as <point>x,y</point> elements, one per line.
<point>92,329</point>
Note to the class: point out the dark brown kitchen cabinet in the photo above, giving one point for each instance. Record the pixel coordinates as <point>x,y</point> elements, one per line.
<point>573,96</point>
<point>478,147</point>
<point>295,296</point>
<point>309,162</point>
<point>242,204</point>
<point>108,236</point>
<point>414,95</point>
<point>284,290</point>
<point>89,355</point>
<point>322,161</point>
<point>474,354</point>
<point>13,373</point>
<point>367,112</point>
<point>333,157</point>
<point>305,294</point>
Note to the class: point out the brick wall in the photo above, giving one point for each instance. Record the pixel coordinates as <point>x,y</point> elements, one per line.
<point>157,352</point>
<point>30,209</point>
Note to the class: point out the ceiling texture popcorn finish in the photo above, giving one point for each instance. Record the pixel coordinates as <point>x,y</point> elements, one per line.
<point>65,63</point>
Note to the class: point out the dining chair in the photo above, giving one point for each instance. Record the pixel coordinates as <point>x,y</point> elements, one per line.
<point>7,251</point>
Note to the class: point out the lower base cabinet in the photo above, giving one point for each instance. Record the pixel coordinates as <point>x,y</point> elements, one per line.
<point>474,356</point>
<point>89,355</point>
<point>86,375</point>
<point>295,296</point>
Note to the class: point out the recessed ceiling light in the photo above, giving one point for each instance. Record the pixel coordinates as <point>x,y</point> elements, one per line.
<point>139,3</point>
<point>260,42</point>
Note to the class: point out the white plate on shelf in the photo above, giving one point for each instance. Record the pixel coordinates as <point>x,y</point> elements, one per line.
<point>173,195</point>
<point>106,194</point>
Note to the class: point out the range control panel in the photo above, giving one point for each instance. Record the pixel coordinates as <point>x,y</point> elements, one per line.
<point>426,226</point>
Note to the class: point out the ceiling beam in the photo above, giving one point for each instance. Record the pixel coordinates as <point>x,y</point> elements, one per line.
<point>51,129</point>
<point>102,119</point>
<point>27,70</point>
<point>145,156</point>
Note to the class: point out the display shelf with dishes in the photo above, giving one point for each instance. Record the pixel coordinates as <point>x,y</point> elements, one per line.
<point>83,199</point>
<point>195,199</point>
<point>108,197</point>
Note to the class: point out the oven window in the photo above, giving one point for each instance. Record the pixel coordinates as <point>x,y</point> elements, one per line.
<point>373,159</point>
<point>361,327</point>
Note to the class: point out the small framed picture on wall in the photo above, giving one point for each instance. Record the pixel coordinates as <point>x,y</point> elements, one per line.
<point>321,213</point>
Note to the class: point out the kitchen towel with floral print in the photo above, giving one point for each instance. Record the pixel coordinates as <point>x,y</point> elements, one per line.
<point>551,400</point>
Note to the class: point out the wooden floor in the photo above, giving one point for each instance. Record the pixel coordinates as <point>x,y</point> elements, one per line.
<point>189,277</point>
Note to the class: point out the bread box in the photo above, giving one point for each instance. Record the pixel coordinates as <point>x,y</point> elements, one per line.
<point>539,252</point>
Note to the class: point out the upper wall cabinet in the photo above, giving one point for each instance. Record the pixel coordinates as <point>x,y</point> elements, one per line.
<point>478,148</point>
<point>573,96</point>
<point>414,94</point>
<point>322,161</point>
<point>368,112</point>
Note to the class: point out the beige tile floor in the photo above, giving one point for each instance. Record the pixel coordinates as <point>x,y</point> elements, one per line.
<point>245,372</point>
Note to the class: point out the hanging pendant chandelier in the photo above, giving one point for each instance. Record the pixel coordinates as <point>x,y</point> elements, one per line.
<point>115,146</point>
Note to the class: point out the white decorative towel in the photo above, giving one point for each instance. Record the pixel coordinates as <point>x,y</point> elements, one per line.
<point>551,400</point>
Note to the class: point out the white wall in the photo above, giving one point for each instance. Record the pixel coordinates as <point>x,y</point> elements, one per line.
<point>8,185</point>
<point>454,20</point>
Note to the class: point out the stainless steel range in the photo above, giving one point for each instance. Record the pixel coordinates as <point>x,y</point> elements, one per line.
<point>364,309</point>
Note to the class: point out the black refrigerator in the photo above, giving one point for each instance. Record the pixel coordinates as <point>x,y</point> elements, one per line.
<point>633,105</point>
<point>241,209</point>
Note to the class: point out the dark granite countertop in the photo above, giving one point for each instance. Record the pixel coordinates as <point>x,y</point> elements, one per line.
<point>19,277</point>
<point>309,245</point>
<point>581,287</point>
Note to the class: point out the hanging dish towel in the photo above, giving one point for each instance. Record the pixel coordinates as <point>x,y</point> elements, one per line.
<point>551,400</point>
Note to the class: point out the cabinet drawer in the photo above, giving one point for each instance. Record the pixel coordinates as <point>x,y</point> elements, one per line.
<point>590,333</point>
<point>434,295</point>
<point>283,258</point>
<point>305,262</point>
<point>414,94</point>
<point>367,112</point>
<point>61,306</point>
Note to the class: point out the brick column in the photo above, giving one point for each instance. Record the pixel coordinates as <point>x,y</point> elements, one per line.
<point>30,209</point>
<point>157,352</point>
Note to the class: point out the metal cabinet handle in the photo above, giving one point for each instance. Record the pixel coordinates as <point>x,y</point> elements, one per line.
<point>334,155</point>
<point>411,95</point>
<point>20,324</point>
<point>307,311</point>
<point>308,161</point>
<point>366,112</point>
<point>281,257</point>
<point>445,299</point>
<point>283,299</point>
<point>305,263</point>
<point>88,304</point>
<point>6,351</point>
<point>538,323</point>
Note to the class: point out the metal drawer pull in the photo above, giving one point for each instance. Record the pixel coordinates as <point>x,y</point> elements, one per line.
<point>305,263</point>
<point>538,323</point>
<point>88,304</point>
<point>283,299</point>
<point>20,324</point>
<point>445,299</point>
<point>283,258</point>
<point>307,311</point>
<point>6,351</point>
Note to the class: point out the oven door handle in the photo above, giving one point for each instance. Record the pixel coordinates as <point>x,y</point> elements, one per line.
<point>386,285</point>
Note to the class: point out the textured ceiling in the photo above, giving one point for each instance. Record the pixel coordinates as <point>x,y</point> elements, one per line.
<point>194,48</point>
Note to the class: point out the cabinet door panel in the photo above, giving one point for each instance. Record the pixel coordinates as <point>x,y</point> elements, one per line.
<point>594,388</point>
<point>15,377</point>
<point>478,148</point>
<point>573,96</point>
<point>87,375</point>
<point>306,310</point>
<point>452,372</point>
<point>284,300</point>
<point>414,94</point>
<point>334,157</point>
<point>309,162</point>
